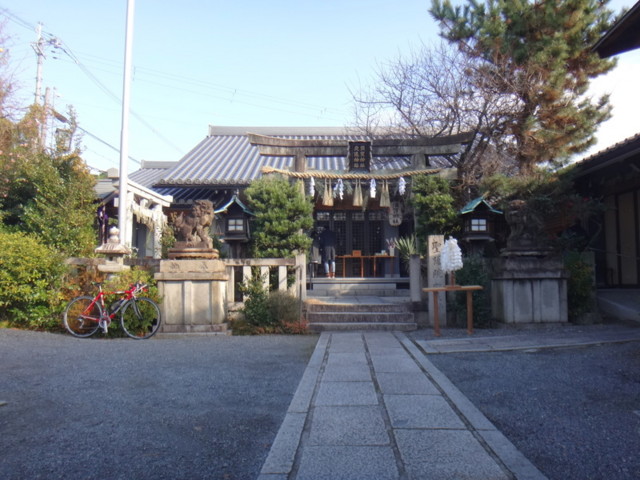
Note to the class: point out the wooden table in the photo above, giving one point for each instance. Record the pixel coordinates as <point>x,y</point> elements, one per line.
<point>453,288</point>
<point>362,258</point>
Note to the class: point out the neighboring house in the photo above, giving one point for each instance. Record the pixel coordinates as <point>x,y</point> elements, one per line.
<point>614,175</point>
<point>359,182</point>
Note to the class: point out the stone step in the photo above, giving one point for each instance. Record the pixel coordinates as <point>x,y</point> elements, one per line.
<point>313,306</point>
<point>359,313</point>
<point>348,326</point>
<point>337,291</point>
<point>360,317</point>
<point>349,286</point>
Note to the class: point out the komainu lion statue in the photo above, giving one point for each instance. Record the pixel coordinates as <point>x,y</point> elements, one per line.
<point>194,227</point>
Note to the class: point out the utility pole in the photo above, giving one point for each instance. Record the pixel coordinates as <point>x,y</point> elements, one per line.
<point>44,127</point>
<point>123,224</point>
<point>38,47</point>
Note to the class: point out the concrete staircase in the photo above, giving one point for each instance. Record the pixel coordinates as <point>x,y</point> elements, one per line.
<point>359,304</point>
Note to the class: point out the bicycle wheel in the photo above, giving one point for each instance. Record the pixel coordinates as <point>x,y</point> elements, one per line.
<point>140,318</point>
<point>81,319</point>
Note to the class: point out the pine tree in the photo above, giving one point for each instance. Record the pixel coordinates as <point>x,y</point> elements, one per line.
<point>536,56</point>
<point>282,213</point>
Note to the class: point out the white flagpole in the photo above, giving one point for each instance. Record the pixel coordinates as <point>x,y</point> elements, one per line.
<point>124,227</point>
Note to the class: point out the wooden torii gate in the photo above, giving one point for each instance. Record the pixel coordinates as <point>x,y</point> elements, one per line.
<point>416,147</point>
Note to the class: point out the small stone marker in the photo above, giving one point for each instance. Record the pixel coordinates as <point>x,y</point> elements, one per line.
<point>435,277</point>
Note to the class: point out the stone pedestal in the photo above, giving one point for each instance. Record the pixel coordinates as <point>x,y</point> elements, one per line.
<point>182,251</point>
<point>194,296</point>
<point>529,289</point>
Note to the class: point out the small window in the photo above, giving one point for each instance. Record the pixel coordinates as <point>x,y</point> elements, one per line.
<point>360,156</point>
<point>235,225</point>
<point>478,224</point>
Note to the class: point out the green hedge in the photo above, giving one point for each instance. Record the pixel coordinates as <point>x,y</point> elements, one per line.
<point>30,279</point>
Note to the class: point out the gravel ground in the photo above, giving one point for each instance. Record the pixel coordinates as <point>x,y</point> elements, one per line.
<point>515,330</point>
<point>574,412</point>
<point>166,408</point>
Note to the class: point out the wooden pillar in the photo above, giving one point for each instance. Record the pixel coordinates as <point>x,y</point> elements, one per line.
<point>300,162</point>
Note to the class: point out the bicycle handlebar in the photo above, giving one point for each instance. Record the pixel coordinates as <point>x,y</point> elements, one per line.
<point>134,288</point>
<point>139,287</point>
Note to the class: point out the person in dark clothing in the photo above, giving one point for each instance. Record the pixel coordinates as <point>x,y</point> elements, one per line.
<point>328,243</point>
<point>314,255</point>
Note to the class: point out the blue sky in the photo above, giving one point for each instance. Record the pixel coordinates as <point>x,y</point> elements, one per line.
<point>247,62</point>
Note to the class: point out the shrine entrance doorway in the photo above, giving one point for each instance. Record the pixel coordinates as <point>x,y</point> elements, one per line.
<point>357,232</point>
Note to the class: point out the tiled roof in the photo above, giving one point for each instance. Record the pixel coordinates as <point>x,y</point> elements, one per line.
<point>104,188</point>
<point>604,158</point>
<point>149,175</point>
<point>473,204</point>
<point>226,158</point>
<point>185,195</point>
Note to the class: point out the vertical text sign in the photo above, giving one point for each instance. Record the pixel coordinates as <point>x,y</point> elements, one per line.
<point>436,276</point>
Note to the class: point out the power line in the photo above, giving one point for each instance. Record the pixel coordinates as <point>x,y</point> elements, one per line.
<point>58,44</point>
<point>95,137</point>
<point>14,18</point>
<point>180,81</point>
<point>175,82</point>
<point>65,48</point>
<point>227,94</point>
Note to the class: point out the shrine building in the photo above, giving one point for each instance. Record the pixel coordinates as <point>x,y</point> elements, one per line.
<point>359,182</point>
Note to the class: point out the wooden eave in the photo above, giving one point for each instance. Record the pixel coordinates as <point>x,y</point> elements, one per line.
<point>623,36</point>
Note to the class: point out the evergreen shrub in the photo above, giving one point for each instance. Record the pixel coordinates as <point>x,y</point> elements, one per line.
<point>580,295</point>
<point>282,215</point>
<point>475,271</point>
<point>434,206</point>
<point>31,275</point>
<point>268,312</point>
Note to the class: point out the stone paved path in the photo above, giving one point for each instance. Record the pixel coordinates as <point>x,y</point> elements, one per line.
<point>371,406</point>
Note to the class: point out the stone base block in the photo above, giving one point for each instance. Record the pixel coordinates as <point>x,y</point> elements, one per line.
<point>219,329</point>
<point>530,290</point>
<point>194,295</point>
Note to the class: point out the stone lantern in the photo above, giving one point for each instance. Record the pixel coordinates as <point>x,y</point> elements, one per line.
<point>480,225</point>
<point>115,253</point>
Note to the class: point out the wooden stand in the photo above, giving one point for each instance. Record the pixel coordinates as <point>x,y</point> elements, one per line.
<point>453,288</point>
<point>362,258</point>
